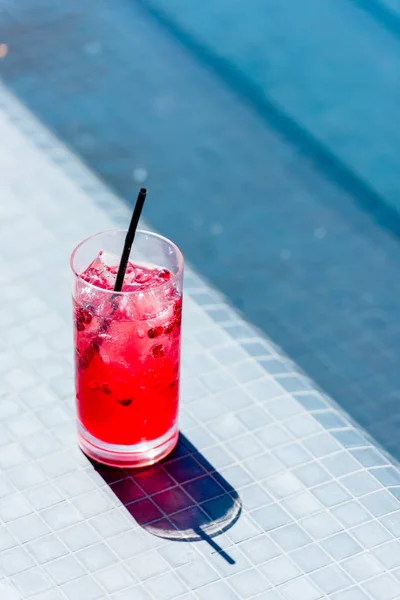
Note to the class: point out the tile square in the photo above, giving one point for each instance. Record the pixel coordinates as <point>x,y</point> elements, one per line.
<point>249,583</point>
<point>236,476</point>
<point>273,436</point>
<point>165,587</point>
<point>173,500</point>
<point>362,567</point>
<point>263,466</point>
<point>310,558</point>
<point>147,565</point>
<point>354,593</point>
<point>341,546</point>
<point>229,354</point>
<point>96,557</point>
<point>184,469</point>
<point>7,540</point>
<point>15,561</point>
<point>290,537</point>
<point>79,536</point>
<point>28,528</point>
<point>227,427</point>
<point>302,505</point>
<point>93,503</point>
<point>380,503</point>
<point>61,515</point>
<point>178,554</point>
<point>280,570</point>
<point>383,587</point>
<point>303,425</point>
<point>265,390</point>
<point>64,569</point>
<point>234,399</point>
<point>371,534</point>
<point>246,372</point>
<point>114,578</point>
<point>331,579</point>
<point>271,517</point>
<point>157,479</point>
<point>84,588</point>
<point>112,523</point>
<point>331,494</point>
<point>218,381</point>
<point>387,476</point>
<point>301,588</point>
<point>30,582</point>
<point>243,529</point>
<point>284,484</point>
<point>330,419</point>
<point>369,457</point>
<point>392,523</point>
<point>215,591</point>
<point>26,476</point>
<point>75,483</point>
<point>360,483</point>
<point>293,455</point>
<point>341,463</point>
<point>322,445</point>
<point>284,408</point>
<point>254,496</point>
<point>144,511</point>
<point>245,446</point>
<point>388,554</point>
<point>216,458</point>
<point>311,474</point>
<point>197,574</point>
<point>254,417</point>
<point>260,549</point>
<point>129,543</point>
<point>350,514</point>
<point>46,549</point>
<point>207,409</point>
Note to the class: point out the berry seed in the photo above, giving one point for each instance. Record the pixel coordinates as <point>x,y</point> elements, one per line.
<point>105,388</point>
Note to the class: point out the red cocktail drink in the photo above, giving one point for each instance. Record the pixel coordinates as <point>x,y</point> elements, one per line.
<point>127,348</point>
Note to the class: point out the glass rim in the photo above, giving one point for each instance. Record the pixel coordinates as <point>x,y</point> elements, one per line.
<point>152,234</point>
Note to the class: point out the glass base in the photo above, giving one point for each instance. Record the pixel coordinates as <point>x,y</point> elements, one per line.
<point>135,456</point>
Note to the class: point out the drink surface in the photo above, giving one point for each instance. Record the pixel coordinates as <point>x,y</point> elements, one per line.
<point>127,352</point>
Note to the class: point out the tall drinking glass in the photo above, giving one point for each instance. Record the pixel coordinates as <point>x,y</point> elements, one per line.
<point>127,348</point>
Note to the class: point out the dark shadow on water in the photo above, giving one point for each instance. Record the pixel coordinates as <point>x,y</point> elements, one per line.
<point>183,498</point>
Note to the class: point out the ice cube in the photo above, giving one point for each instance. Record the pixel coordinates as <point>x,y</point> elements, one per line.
<point>102,271</point>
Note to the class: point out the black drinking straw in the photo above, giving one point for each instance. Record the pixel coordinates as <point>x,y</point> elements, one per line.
<point>130,236</point>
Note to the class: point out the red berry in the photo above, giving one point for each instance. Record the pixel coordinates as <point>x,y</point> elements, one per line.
<point>164,274</point>
<point>105,388</point>
<point>85,316</point>
<point>168,328</point>
<point>96,344</point>
<point>158,351</point>
<point>125,401</point>
<point>155,331</point>
<point>178,306</point>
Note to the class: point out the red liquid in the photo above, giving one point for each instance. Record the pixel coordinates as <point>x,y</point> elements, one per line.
<point>127,355</point>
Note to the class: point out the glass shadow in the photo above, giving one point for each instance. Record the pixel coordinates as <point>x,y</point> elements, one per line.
<point>183,498</point>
